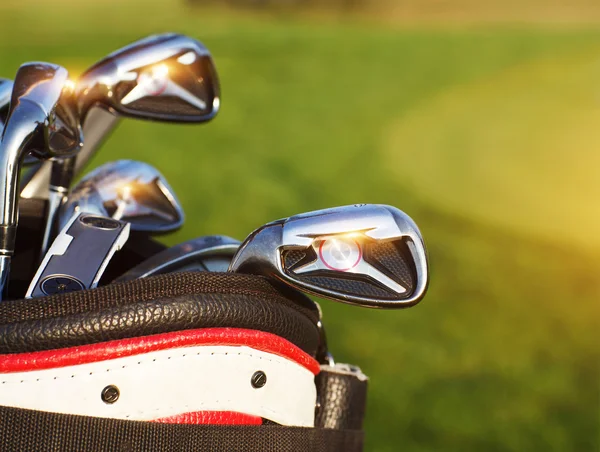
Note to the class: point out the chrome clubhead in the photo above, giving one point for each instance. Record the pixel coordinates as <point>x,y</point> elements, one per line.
<point>45,87</point>
<point>167,77</point>
<point>130,191</point>
<point>365,254</point>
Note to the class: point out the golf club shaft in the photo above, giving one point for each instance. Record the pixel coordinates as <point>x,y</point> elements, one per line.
<point>19,130</point>
<point>60,179</point>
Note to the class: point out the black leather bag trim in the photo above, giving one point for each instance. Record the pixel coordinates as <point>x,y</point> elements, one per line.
<point>342,391</point>
<point>160,304</point>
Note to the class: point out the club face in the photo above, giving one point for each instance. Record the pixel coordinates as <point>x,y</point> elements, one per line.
<point>369,255</point>
<point>167,77</point>
<point>127,190</point>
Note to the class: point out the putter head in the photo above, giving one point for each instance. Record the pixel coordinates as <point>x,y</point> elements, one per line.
<point>130,191</point>
<point>167,77</point>
<point>43,93</point>
<point>366,254</point>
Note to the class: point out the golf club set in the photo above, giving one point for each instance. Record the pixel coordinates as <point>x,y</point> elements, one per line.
<point>102,326</point>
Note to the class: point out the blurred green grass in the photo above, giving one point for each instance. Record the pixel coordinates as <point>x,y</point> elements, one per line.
<point>486,137</point>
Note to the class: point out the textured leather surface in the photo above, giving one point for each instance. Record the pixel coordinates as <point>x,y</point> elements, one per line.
<point>342,394</point>
<point>161,304</point>
<point>83,354</point>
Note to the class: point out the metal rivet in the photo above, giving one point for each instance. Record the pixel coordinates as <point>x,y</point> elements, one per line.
<point>259,379</point>
<point>110,394</point>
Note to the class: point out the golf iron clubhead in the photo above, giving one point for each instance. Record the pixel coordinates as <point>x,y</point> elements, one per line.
<point>165,77</point>
<point>126,190</point>
<point>365,254</point>
<point>168,77</point>
<point>41,121</point>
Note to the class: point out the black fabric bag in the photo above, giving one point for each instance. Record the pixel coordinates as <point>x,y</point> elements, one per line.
<point>172,303</point>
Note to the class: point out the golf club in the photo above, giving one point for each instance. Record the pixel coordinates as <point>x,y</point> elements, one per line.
<point>168,77</point>
<point>40,120</point>
<point>126,190</point>
<point>365,254</point>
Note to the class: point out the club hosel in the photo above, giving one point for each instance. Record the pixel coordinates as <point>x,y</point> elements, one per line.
<point>250,256</point>
<point>62,174</point>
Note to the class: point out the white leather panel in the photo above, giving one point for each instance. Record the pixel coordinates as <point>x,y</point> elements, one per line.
<point>169,382</point>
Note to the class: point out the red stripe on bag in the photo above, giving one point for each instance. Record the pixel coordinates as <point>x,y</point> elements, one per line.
<point>211,417</point>
<point>103,351</point>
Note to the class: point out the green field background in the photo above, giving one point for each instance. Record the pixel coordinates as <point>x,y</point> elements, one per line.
<point>486,132</point>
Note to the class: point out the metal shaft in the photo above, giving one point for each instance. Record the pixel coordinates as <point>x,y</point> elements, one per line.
<point>18,132</point>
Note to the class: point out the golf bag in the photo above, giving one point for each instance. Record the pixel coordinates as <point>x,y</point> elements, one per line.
<point>175,362</point>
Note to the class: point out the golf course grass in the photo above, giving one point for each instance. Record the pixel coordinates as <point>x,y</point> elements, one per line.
<point>488,138</point>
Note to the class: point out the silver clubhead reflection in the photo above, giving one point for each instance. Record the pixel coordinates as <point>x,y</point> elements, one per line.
<point>365,254</point>
<point>167,77</point>
<point>130,191</point>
